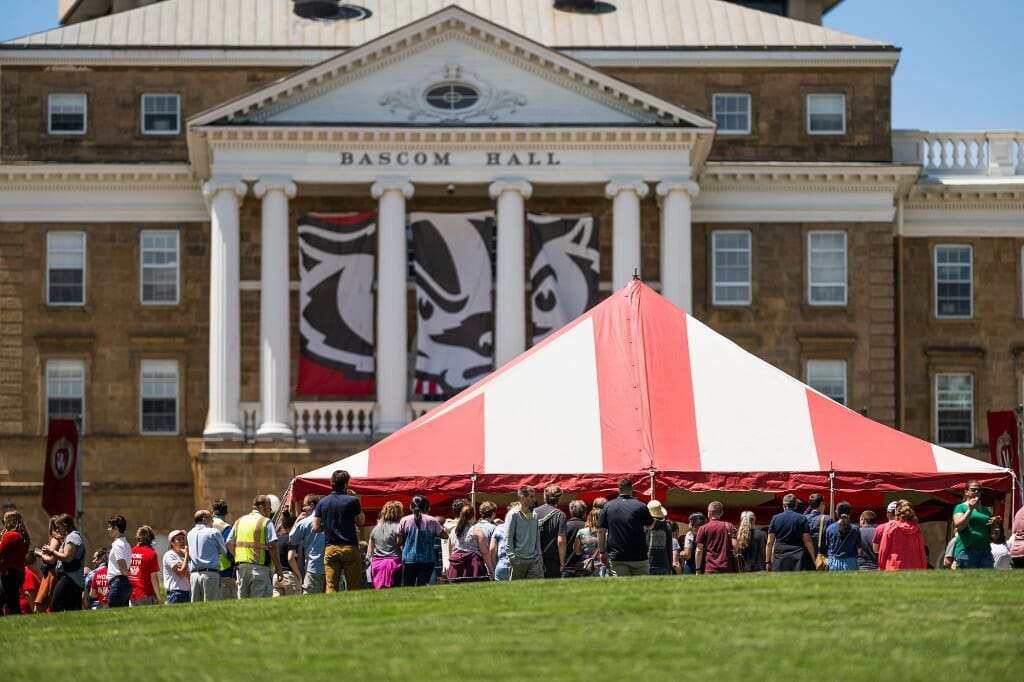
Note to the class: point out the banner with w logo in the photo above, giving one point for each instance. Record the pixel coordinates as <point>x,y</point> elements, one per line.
<point>453,271</point>
<point>336,274</point>
<point>61,478</point>
<point>564,270</point>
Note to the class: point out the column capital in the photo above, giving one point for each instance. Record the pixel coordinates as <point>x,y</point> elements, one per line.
<point>635,185</point>
<point>681,185</point>
<point>224,184</point>
<point>402,185</point>
<point>498,187</point>
<point>272,184</point>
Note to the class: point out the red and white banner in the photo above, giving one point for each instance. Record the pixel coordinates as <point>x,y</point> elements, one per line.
<point>564,270</point>
<point>336,271</point>
<point>1004,439</point>
<point>454,329</point>
<point>61,475</point>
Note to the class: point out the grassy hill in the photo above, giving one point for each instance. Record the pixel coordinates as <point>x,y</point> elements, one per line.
<point>896,626</point>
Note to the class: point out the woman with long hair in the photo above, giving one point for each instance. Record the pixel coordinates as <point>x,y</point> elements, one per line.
<point>586,545</point>
<point>902,546</point>
<point>145,569</point>
<point>689,553</point>
<point>470,555</point>
<point>385,554</point>
<point>14,545</point>
<point>842,539</point>
<point>416,535</point>
<point>67,561</point>
<point>751,543</point>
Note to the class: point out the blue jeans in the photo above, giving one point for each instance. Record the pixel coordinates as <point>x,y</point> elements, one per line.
<point>119,591</point>
<point>178,597</point>
<point>842,563</point>
<point>974,558</point>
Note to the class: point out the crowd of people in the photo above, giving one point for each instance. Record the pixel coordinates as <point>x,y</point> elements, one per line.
<point>320,549</point>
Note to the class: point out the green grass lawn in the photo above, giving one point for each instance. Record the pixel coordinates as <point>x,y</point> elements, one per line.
<point>933,625</point>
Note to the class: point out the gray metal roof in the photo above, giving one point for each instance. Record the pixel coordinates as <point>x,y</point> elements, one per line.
<point>635,24</point>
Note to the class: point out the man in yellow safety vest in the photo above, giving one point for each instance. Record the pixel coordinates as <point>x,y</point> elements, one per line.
<point>253,542</point>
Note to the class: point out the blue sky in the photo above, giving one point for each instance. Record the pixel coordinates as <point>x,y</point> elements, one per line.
<point>962,66</point>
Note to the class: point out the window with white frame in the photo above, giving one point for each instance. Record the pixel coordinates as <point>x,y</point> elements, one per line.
<point>67,114</point>
<point>730,267</point>
<point>159,396</point>
<point>732,113</point>
<point>826,114</point>
<point>65,268</point>
<point>954,409</point>
<point>159,267</point>
<point>65,390</point>
<point>161,114</point>
<point>826,268</point>
<point>829,378</point>
<point>953,281</point>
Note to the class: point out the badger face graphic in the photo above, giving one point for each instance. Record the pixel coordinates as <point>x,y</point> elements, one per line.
<point>564,271</point>
<point>453,273</point>
<point>336,264</point>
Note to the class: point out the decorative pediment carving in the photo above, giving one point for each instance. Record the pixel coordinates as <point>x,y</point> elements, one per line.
<point>452,95</point>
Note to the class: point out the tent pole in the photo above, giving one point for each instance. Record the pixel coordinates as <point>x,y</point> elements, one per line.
<point>472,487</point>
<point>650,473</point>
<point>831,491</point>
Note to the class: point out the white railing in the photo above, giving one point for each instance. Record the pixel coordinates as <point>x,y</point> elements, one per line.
<point>992,152</point>
<point>328,420</point>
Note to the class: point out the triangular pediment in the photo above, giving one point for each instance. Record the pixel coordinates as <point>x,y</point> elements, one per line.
<point>451,68</point>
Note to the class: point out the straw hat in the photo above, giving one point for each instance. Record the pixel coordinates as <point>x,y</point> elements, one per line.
<point>657,511</point>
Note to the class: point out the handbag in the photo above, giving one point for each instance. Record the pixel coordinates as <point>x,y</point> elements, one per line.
<point>820,560</point>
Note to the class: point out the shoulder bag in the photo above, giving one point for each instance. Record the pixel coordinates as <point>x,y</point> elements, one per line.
<point>821,560</point>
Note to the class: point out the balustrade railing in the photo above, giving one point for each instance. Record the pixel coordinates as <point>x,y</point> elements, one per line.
<point>992,152</point>
<point>328,420</point>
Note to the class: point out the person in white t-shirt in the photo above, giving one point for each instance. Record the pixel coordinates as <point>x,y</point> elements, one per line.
<point>175,569</point>
<point>119,559</point>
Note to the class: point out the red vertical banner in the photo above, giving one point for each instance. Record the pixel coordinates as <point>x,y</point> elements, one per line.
<point>60,477</point>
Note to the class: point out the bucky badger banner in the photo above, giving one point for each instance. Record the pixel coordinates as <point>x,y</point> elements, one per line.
<point>336,271</point>
<point>454,332</point>
<point>564,270</point>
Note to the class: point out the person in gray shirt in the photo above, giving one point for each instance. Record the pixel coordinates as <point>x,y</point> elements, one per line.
<point>522,539</point>
<point>204,548</point>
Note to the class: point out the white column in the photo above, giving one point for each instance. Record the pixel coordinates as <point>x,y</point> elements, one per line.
<point>275,319</point>
<point>510,302</point>
<point>676,241</point>
<point>222,421</point>
<point>392,343</point>
<point>625,195</point>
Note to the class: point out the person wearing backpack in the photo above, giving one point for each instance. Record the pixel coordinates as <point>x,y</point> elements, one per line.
<point>417,533</point>
<point>551,524</point>
<point>67,591</point>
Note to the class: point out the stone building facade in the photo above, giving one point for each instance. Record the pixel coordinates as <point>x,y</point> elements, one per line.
<point>789,183</point>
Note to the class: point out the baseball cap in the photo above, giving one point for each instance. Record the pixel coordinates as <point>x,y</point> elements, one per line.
<point>892,507</point>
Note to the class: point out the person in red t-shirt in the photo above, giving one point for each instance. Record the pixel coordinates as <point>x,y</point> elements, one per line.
<point>14,544</point>
<point>144,569</point>
<point>716,543</point>
<point>98,581</point>
<point>29,588</point>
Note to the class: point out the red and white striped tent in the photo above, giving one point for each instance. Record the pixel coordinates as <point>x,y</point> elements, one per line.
<point>637,388</point>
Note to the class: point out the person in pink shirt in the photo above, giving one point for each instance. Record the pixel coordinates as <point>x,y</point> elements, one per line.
<point>902,546</point>
<point>1017,540</point>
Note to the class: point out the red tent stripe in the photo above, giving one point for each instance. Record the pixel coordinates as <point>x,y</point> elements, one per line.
<point>618,385</point>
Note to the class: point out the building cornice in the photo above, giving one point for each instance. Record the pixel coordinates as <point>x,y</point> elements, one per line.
<point>85,176</point>
<point>832,177</point>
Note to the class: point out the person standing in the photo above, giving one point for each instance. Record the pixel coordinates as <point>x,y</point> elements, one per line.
<point>119,561</point>
<point>621,533</point>
<point>206,547</point>
<point>788,539</point>
<point>312,544</point>
<point>339,516</point>
<point>890,516</point>
<point>96,583</point>
<point>67,560</point>
<point>551,521</point>
<point>522,540</point>
<point>1017,541</point>
<point>716,543</point>
<point>145,569</point>
<point>867,557</point>
<point>14,546</point>
<point>253,542</point>
<point>575,523</point>
<point>972,520</point>
<point>751,544</point>
<point>659,541</point>
<point>502,568</point>
<point>418,534</point>
<point>842,539</point>
<point>902,545</point>
<point>228,584</point>
<point>817,521</point>
<point>175,569</point>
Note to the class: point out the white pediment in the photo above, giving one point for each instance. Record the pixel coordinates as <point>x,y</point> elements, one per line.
<point>452,68</point>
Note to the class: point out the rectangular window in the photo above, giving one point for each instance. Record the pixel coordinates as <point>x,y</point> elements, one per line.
<point>161,114</point>
<point>65,268</point>
<point>159,267</point>
<point>826,268</point>
<point>732,113</point>
<point>730,267</point>
<point>67,114</point>
<point>65,391</point>
<point>826,114</point>
<point>954,409</point>
<point>829,378</point>
<point>159,391</point>
<point>953,282</point>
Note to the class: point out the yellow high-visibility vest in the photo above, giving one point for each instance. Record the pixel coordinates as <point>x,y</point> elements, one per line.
<point>250,539</point>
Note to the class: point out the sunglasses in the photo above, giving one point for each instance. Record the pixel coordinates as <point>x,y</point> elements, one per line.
<point>974,490</point>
